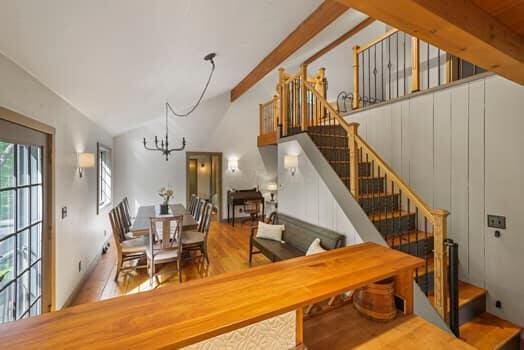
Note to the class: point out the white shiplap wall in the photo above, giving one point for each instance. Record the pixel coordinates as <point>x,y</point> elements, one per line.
<point>460,149</point>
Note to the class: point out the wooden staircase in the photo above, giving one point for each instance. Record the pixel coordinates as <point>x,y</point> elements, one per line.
<point>403,230</point>
<point>403,219</point>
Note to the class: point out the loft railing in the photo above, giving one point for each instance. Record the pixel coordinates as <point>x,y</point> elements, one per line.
<point>269,116</point>
<point>412,223</point>
<point>397,64</point>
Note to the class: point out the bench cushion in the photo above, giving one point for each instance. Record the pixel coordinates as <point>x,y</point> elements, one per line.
<point>276,250</point>
<point>301,234</point>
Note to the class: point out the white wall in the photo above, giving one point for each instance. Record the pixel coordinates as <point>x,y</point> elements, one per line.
<point>459,148</point>
<point>80,236</point>
<point>306,196</point>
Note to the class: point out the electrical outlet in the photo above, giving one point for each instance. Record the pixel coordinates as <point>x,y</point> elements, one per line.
<point>105,233</point>
<point>497,221</point>
<point>64,212</point>
<point>80,266</point>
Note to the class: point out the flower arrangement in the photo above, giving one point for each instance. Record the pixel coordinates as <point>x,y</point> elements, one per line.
<point>166,193</point>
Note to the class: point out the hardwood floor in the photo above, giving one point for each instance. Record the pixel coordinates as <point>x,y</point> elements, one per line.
<point>228,251</point>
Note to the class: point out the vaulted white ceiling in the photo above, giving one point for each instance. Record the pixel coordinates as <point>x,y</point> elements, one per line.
<point>118,61</point>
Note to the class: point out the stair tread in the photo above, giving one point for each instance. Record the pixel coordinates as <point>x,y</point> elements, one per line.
<point>393,214</point>
<point>467,293</point>
<point>487,331</point>
<point>376,195</point>
<point>408,237</point>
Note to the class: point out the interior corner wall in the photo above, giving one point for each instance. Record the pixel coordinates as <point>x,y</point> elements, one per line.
<point>217,125</point>
<point>306,196</point>
<point>80,236</point>
<point>459,148</point>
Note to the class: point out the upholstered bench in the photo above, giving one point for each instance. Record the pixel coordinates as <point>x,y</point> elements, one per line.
<point>297,237</point>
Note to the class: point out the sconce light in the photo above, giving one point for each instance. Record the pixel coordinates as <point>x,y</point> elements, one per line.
<point>272,187</point>
<point>232,164</point>
<point>85,160</point>
<point>291,163</point>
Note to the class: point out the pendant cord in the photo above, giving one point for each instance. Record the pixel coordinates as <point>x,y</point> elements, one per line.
<point>168,106</point>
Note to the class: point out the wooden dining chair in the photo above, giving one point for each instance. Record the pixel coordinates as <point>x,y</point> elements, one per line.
<point>126,249</point>
<point>124,222</point>
<point>196,240</point>
<point>127,211</point>
<point>193,203</point>
<point>199,211</point>
<point>164,244</point>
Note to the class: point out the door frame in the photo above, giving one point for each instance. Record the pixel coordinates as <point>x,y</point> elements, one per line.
<point>219,190</point>
<point>48,227</point>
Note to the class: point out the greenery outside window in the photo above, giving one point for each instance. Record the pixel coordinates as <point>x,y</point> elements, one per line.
<point>104,176</point>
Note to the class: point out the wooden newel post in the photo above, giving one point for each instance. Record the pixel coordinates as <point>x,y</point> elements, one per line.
<point>275,112</point>
<point>440,232</point>
<point>415,64</point>
<point>353,159</point>
<point>283,99</point>
<point>303,98</point>
<point>356,92</point>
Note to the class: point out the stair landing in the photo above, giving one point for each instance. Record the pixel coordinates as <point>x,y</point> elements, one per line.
<point>487,331</point>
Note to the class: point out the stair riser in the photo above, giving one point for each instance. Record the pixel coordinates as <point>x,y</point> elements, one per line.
<point>421,248</point>
<point>330,141</point>
<point>380,204</point>
<point>331,130</point>
<point>335,154</point>
<point>395,225</point>
<point>472,309</point>
<point>342,169</point>
<point>426,281</point>
<point>372,185</point>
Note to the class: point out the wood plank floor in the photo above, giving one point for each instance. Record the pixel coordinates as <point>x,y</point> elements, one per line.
<point>228,251</point>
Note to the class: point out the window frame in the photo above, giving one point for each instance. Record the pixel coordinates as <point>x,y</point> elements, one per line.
<point>100,148</point>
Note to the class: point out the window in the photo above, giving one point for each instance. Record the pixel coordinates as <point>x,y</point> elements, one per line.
<point>104,176</point>
<point>21,222</point>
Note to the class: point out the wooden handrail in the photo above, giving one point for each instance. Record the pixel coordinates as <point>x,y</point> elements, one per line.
<point>327,105</point>
<point>377,40</point>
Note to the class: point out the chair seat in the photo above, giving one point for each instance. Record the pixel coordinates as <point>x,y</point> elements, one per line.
<point>192,237</point>
<point>135,245</point>
<point>279,251</point>
<point>164,255</point>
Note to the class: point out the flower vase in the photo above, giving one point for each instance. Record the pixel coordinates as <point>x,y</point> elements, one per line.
<point>164,209</point>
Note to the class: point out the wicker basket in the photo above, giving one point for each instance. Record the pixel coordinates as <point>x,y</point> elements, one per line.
<point>376,301</point>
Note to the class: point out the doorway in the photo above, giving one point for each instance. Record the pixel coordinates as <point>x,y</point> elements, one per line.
<point>204,177</point>
<point>26,253</point>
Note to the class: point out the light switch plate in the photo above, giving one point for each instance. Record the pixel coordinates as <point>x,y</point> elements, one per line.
<point>497,221</point>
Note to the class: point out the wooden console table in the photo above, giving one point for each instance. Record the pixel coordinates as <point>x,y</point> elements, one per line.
<point>176,316</point>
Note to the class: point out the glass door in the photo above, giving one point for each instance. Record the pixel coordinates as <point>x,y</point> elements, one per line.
<point>21,218</point>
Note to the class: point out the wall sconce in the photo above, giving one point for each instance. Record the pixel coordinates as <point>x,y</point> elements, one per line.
<point>232,164</point>
<point>85,160</point>
<point>291,163</point>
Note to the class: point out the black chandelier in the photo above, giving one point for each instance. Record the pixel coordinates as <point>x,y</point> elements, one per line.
<point>163,146</point>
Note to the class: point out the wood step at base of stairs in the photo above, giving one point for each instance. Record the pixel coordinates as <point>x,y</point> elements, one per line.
<point>472,301</point>
<point>488,331</point>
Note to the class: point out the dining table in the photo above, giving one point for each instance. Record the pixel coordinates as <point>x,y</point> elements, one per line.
<point>140,226</point>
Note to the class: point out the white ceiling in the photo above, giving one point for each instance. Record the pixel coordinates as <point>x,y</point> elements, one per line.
<point>118,61</point>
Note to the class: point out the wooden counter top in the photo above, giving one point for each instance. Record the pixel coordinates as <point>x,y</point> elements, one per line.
<point>179,315</point>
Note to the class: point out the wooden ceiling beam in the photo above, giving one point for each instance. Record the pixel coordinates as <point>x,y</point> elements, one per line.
<point>340,40</point>
<point>323,16</point>
<point>458,27</point>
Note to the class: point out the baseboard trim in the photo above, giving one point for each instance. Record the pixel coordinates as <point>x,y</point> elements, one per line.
<point>85,277</point>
